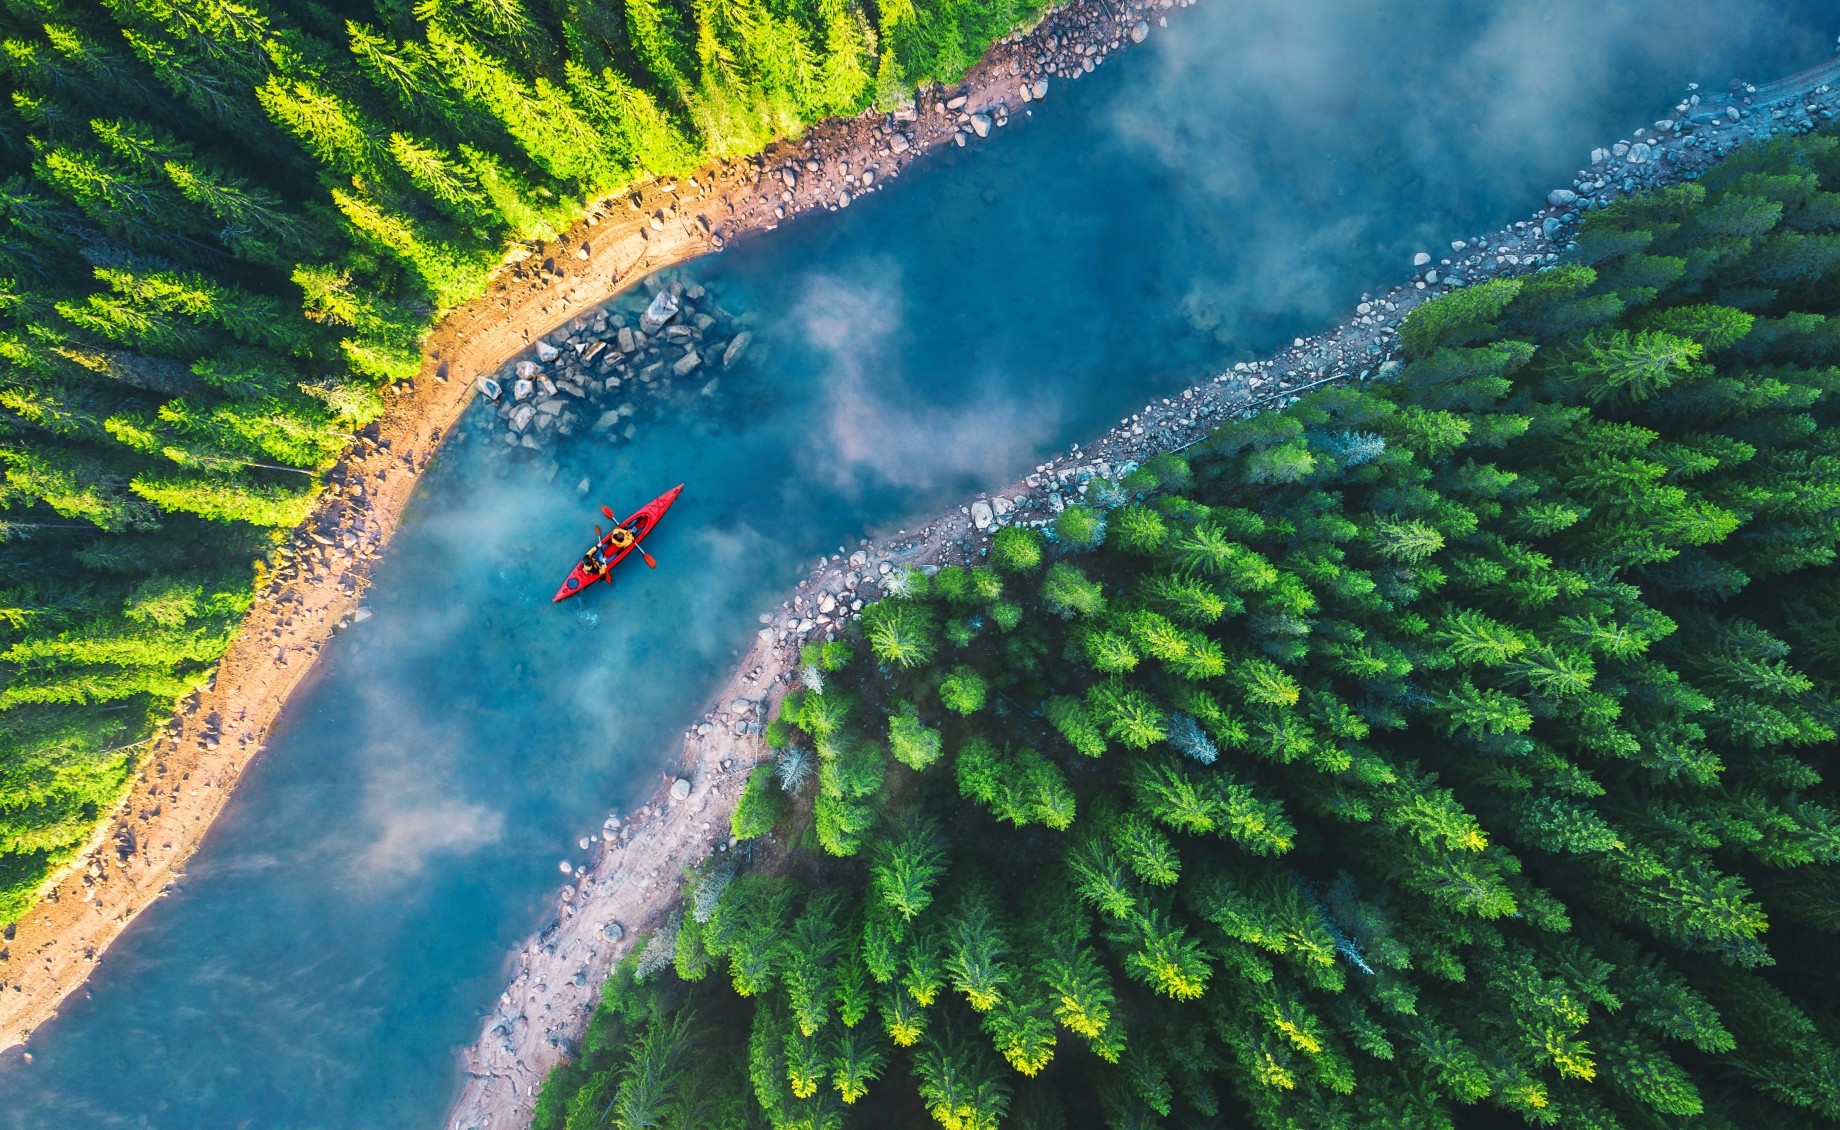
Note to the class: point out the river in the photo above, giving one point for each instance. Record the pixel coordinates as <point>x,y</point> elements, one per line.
<point>1237,181</point>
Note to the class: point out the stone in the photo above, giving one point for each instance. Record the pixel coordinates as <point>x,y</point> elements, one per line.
<point>981,515</point>
<point>827,604</point>
<point>583,486</point>
<point>1599,156</point>
<point>1421,259</point>
<point>490,388</point>
<point>1140,31</point>
<point>522,390</point>
<point>790,178</point>
<point>736,348</point>
<point>1562,198</point>
<point>1551,228</point>
<point>520,417</point>
<point>608,419</point>
<point>664,307</point>
<point>1040,88</point>
<point>613,931</point>
<point>1638,153</point>
<point>687,364</point>
<point>899,143</point>
<point>566,867</point>
<point>980,124</point>
<point>1732,113</point>
<point>528,370</point>
<point>628,342</point>
<point>547,352</point>
<point>680,789</point>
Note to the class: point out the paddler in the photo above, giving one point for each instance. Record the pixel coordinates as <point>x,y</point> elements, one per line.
<point>620,538</point>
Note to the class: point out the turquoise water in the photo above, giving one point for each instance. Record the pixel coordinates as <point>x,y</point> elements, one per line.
<point>1236,182</point>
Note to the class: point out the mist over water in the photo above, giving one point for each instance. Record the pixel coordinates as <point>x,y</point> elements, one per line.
<point>1237,181</point>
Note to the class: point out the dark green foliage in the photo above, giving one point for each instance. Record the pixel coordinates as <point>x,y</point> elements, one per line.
<point>1464,745</point>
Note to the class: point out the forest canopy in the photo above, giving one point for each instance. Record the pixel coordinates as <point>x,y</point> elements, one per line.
<point>224,224</point>
<point>1446,751</point>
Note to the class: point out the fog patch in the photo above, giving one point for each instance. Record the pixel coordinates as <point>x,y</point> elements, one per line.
<point>882,428</point>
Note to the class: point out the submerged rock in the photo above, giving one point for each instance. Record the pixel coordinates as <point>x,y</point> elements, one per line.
<point>736,348</point>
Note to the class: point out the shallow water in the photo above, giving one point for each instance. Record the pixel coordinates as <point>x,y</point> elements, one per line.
<point>1237,181</point>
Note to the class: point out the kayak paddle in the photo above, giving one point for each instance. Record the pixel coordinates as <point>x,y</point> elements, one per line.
<point>608,510</point>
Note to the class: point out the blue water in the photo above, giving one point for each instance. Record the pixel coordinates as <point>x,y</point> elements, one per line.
<point>1237,181</point>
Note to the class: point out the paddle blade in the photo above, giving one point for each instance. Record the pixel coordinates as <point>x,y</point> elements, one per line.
<point>608,511</point>
<point>649,563</point>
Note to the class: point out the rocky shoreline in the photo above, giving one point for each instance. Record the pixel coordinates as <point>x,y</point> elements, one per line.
<point>316,582</point>
<point>631,884</point>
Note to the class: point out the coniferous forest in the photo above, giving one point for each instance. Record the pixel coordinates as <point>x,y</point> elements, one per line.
<point>228,224</point>
<point>1441,752</point>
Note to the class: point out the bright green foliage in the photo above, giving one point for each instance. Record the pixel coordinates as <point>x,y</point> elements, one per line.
<point>914,744</point>
<point>1464,744</point>
<point>1016,549</point>
<point>761,807</point>
<point>964,690</point>
<point>900,633</point>
<point>1079,527</point>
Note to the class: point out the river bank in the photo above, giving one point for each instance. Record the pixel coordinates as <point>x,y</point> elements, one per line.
<point>318,585</point>
<point>632,882</point>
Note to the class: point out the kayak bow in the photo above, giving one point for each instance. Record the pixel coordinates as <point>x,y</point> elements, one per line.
<point>641,524</point>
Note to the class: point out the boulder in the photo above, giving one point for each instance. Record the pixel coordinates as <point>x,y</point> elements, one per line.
<point>1421,259</point>
<point>899,143</point>
<point>628,342</point>
<point>521,416</point>
<point>490,388</point>
<point>980,124</point>
<point>1040,88</point>
<point>687,363</point>
<point>527,370</point>
<point>664,307</point>
<point>981,515</point>
<point>522,390</point>
<point>547,352</point>
<point>1140,31</point>
<point>957,102</point>
<point>1562,198</point>
<point>736,348</point>
<point>680,789</point>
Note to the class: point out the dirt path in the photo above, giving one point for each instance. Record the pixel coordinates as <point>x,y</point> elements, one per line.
<point>632,884</point>
<point>191,768</point>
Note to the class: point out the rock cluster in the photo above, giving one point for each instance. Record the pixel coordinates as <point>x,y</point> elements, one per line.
<point>669,342</point>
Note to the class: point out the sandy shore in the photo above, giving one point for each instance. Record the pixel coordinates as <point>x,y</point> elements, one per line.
<point>633,882</point>
<point>190,769</point>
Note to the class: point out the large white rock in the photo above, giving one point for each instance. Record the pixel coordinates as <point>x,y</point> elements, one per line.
<point>981,515</point>
<point>663,308</point>
<point>547,352</point>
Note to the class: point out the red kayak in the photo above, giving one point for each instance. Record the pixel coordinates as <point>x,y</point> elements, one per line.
<point>641,524</point>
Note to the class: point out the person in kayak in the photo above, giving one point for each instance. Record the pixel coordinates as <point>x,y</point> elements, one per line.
<point>620,538</point>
